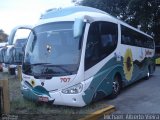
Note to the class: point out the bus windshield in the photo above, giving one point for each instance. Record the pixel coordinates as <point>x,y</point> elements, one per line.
<point>53,51</point>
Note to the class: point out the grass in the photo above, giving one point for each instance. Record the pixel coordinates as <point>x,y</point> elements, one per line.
<point>21,106</point>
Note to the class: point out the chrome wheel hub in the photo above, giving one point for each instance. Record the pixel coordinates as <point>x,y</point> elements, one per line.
<point>116,86</point>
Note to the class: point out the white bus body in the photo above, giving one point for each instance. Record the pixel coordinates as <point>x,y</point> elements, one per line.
<point>90,55</point>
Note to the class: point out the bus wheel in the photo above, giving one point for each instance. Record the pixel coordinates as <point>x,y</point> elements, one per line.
<point>116,87</point>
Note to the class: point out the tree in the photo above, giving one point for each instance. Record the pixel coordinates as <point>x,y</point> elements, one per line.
<point>156,21</point>
<point>145,13</point>
<point>114,7</point>
<point>3,36</point>
<point>1,31</point>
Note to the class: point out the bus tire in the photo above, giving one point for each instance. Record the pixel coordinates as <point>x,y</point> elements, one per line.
<point>116,87</point>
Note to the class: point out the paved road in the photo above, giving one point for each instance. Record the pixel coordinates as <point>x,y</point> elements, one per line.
<point>142,97</point>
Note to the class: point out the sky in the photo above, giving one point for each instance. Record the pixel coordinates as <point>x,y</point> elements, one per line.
<point>25,12</point>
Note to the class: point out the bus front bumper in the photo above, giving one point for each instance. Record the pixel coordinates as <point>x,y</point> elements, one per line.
<point>35,95</point>
<point>55,97</point>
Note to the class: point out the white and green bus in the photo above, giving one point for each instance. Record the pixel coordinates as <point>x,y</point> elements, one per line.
<point>78,55</point>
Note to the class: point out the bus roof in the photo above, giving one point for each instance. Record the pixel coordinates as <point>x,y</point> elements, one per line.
<point>68,11</point>
<point>53,15</point>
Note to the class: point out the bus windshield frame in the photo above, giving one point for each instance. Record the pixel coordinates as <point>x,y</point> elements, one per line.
<point>53,51</point>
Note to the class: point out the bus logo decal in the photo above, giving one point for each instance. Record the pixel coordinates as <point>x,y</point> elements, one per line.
<point>117,56</point>
<point>32,82</point>
<point>49,48</point>
<point>148,53</point>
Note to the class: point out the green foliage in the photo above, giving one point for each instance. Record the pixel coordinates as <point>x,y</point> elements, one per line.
<point>145,13</point>
<point>1,31</point>
<point>3,36</point>
<point>142,12</point>
<point>114,7</point>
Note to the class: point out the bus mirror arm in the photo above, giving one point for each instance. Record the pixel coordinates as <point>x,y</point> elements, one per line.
<point>88,19</point>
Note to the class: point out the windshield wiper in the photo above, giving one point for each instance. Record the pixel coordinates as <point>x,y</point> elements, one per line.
<point>51,65</point>
<point>29,66</point>
<point>67,71</point>
<point>40,64</point>
<point>46,76</point>
<point>60,67</point>
<point>46,71</point>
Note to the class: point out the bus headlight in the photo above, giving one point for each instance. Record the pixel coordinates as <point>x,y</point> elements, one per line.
<point>74,89</point>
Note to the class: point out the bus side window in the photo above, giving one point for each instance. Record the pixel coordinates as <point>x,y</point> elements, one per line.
<point>102,41</point>
<point>92,46</point>
<point>109,38</point>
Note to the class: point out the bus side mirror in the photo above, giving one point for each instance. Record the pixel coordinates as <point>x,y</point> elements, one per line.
<point>14,30</point>
<point>12,54</point>
<point>11,36</point>
<point>78,27</point>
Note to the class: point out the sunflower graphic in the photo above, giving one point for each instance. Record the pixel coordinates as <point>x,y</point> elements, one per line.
<point>128,64</point>
<point>32,82</point>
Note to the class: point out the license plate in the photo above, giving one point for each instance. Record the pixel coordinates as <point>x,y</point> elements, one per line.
<point>43,99</point>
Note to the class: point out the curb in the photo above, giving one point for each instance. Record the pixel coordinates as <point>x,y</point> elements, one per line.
<point>99,113</point>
